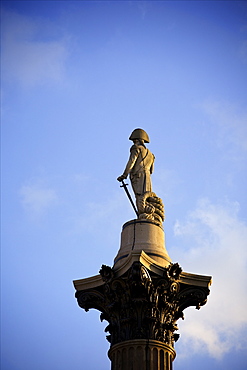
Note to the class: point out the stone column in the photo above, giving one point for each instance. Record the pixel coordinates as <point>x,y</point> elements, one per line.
<point>141,354</point>
<point>141,297</point>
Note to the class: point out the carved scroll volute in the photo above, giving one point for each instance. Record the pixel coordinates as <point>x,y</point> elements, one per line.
<point>88,299</point>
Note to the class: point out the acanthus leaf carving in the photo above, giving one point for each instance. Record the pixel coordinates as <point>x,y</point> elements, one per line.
<point>142,305</point>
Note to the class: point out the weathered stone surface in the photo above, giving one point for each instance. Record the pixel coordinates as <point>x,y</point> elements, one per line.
<point>144,294</point>
<point>142,297</point>
<point>139,169</point>
<point>141,354</point>
<point>141,304</point>
<point>147,235</point>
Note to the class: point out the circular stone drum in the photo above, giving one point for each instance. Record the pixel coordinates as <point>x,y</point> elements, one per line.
<point>143,235</point>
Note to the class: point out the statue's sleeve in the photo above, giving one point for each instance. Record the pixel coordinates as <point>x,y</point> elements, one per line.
<point>134,152</point>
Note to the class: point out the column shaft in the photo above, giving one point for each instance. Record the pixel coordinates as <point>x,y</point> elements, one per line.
<point>141,354</point>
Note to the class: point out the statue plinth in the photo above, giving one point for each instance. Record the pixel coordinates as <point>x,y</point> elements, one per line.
<point>143,235</point>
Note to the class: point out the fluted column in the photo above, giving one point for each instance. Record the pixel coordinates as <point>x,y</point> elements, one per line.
<point>141,354</point>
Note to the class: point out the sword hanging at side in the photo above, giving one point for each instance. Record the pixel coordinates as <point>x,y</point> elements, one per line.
<point>129,196</point>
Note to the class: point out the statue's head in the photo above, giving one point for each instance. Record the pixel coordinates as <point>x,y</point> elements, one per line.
<point>139,134</point>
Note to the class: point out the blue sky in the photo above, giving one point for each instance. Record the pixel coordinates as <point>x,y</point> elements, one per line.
<point>77,78</point>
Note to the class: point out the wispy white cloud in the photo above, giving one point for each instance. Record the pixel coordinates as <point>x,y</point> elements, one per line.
<point>37,199</point>
<point>26,57</point>
<point>216,244</point>
<point>231,122</point>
